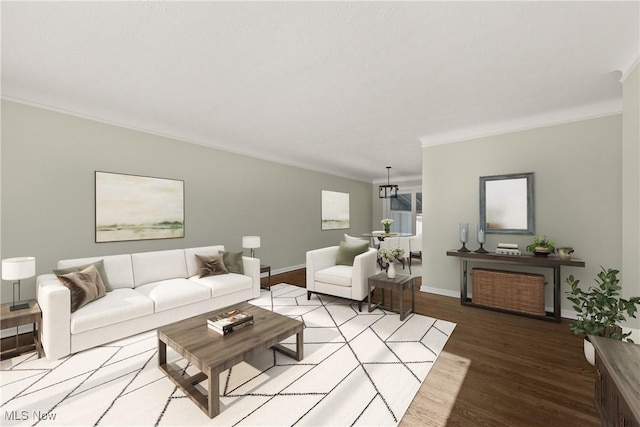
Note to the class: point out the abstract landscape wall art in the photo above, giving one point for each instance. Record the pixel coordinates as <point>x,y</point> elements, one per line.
<point>335,210</point>
<point>132,207</point>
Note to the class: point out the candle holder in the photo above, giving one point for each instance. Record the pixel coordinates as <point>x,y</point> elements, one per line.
<point>463,231</point>
<point>481,240</point>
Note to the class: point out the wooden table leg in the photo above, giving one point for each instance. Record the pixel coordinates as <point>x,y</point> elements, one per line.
<point>214,394</point>
<point>463,280</point>
<point>556,294</point>
<point>37,336</point>
<point>300,345</point>
<point>162,353</point>
<point>413,297</point>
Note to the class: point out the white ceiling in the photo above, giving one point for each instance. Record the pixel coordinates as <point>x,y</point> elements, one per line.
<point>342,87</point>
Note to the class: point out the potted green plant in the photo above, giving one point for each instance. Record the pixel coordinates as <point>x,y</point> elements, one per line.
<point>600,309</point>
<point>564,252</point>
<point>541,245</point>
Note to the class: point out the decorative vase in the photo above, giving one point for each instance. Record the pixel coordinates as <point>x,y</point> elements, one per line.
<point>589,352</point>
<point>387,228</point>
<point>481,237</point>
<point>564,253</point>
<point>391,270</point>
<point>463,233</point>
<point>541,251</point>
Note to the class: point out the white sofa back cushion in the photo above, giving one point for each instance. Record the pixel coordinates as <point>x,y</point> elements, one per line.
<point>190,257</point>
<point>159,265</point>
<point>118,268</point>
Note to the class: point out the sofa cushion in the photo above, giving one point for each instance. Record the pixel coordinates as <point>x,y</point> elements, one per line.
<point>168,294</point>
<point>337,275</point>
<point>211,265</point>
<point>155,266</point>
<point>347,252</point>
<point>117,267</point>
<point>225,284</point>
<point>117,306</point>
<point>233,262</point>
<point>99,265</point>
<point>85,286</point>
<point>190,257</point>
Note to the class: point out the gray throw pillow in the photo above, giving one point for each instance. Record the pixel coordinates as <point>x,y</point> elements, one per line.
<point>233,262</point>
<point>85,286</point>
<point>99,266</point>
<point>211,265</point>
<point>347,252</point>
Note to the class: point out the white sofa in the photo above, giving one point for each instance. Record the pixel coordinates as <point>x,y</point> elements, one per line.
<point>150,289</point>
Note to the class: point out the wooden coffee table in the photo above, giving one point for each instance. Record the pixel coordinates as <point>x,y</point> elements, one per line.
<point>213,353</point>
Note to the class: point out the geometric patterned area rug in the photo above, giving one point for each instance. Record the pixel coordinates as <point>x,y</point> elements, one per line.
<point>359,368</point>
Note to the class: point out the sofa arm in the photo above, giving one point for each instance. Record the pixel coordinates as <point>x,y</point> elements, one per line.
<point>54,300</point>
<point>364,266</point>
<point>319,259</point>
<point>251,268</point>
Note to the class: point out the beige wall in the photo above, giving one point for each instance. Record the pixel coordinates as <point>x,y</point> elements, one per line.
<point>578,195</point>
<point>48,164</point>
<point>631,185</point>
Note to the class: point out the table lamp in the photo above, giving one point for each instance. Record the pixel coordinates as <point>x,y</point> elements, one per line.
<point>16,269</point>
<point>251,242</point>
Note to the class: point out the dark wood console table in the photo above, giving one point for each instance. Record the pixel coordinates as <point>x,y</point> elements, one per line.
<point>552,262</point>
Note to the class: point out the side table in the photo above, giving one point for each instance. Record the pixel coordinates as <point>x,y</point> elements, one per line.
<point>399,283</point>
<point>266,269</point>
<point>10,319</point>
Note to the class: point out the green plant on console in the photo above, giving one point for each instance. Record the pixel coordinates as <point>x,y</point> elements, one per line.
<point>542,242</point>
<point>600,309</point>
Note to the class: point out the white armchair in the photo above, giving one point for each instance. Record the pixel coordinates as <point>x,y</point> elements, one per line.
<point>345,281</point>
<point>354,240</point>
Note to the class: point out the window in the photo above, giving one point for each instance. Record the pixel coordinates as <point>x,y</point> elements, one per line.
<point>406,212</point>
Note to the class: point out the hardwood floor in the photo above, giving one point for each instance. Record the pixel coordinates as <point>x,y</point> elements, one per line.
<point>498,370</point>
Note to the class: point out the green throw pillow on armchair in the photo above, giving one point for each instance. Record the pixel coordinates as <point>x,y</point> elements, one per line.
<point>347,252</point>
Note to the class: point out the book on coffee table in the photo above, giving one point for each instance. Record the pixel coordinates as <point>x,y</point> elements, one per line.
<point>228,321</point>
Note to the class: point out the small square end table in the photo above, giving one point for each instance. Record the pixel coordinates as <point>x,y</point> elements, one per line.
<point>265,269</point>
<point>11,319</point>
<point>399,283</point>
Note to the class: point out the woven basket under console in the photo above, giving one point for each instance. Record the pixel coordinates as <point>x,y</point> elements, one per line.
<point>515,291</point>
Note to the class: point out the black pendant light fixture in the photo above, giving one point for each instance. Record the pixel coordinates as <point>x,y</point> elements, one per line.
<point>388,191</point>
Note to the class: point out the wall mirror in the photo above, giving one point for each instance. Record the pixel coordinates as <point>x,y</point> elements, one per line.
<point>506,203</point>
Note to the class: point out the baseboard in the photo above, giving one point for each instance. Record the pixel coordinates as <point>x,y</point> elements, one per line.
<point>440,291</point>
<point>567,314</point>
<point>285,269</point>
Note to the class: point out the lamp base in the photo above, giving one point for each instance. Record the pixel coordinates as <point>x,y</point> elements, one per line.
<point>20,306</point>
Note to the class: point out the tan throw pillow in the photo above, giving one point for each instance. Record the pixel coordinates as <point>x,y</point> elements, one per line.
<point>99,265</point>
<point>211,265</point>
<point>347,252</point>
<point>85,286</point>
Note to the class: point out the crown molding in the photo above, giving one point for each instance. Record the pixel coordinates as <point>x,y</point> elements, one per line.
<point>190,140</point>
<point>592,111</point>
<point>629,69</point>
<point>398,179</point>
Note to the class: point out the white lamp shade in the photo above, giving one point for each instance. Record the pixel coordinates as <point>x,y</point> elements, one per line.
<point>250,242</point>
<point>18,268</point>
